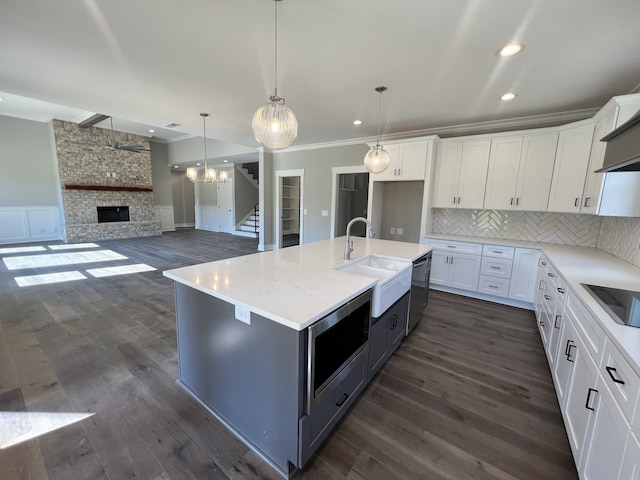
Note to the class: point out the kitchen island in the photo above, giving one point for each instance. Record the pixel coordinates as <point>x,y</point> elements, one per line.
<point>243,340</point>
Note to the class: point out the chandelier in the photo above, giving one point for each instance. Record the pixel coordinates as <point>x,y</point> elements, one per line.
<point>274,125</point>
<point>377,159</point>
<point>210,175</point>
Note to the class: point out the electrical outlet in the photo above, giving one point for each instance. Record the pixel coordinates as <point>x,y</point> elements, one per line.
<point>243,314</point>
<point>113,175</point>
<point>399,230</point>
<point>392,230</point>
<point>325,213</point>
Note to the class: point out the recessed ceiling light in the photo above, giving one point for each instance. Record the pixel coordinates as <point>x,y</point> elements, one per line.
<point>508,96</point>
<point>198,164</point>
<point>151,130</point>
<point>510,49</point>
<point>357,122</point>
<point>1,99</point>
<point>175,166</point>
<point>226,161</point>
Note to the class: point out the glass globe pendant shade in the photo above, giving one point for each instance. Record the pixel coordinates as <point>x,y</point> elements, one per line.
<point>274,125</point>
<point>377,159</point>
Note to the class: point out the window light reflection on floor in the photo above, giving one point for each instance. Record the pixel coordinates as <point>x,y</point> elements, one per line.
<point>17,427</point>
<point>57,259</point>
<point>120,270</point>
<point>72,246</point>
<point>46,278</point>
<point>4,251</point>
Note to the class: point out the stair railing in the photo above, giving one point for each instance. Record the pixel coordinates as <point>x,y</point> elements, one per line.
<point>256,222</point>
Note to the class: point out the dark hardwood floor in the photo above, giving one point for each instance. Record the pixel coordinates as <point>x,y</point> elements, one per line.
<point>468,395</point>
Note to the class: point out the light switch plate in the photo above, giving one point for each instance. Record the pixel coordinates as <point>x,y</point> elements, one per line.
<point>399,230</point>
<point>243,314</point>
<point>325,213</point>
<point>392,230</point>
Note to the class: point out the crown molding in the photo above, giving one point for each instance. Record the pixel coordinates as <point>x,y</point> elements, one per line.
<point>477,128</point>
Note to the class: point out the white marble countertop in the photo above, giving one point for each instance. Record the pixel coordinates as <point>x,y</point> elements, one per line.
<point>294,286</point>
<point>579,265</point>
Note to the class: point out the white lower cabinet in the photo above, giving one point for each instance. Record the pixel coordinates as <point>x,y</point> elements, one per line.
<point>607,435</point>
<point>563,369</point>
<point>523,275</point>
<point>457,270</point>
<point>630,465</point>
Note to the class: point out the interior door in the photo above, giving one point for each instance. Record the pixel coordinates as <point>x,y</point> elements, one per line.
<point>225,207</point>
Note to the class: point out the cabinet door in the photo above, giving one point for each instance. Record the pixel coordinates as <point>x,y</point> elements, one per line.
<point>593,183</point>
<point>445,186</point>
<point>523,274</point>
<point>570,169</point>
<point>378,345</point>
<point>439,267</point>
<point>583,399</point>
<point>554,335</point>
<point>412,161</point>
<point>502,177</point>
<point>464,271</point>
<point>392,169</point>
<point>608,436</point>
<point>563,370</point>
<point>473,174</point>
<point>630,466</point>
<point>535,173</point>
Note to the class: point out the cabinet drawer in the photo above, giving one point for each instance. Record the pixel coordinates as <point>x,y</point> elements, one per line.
<point>496,267</point>
<point>493,286</point>
<point>621,379</point>
<point>497,251</point>
<point>316,427</point>
<point>588,328</point>
<point>453,246</point>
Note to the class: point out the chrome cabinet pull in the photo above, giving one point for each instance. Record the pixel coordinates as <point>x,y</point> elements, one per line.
<point>586,405</point>
<point>611,371</point>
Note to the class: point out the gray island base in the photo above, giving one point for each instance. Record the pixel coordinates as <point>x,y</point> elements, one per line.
<point>250,367</point>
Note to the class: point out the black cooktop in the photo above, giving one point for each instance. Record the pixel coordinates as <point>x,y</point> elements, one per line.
<point>622,305</point>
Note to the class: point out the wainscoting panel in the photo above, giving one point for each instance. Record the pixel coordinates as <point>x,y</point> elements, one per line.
<point>164,215</point>
<point>620,236</point>
<point>29,224</point>
<point>208,217</point>
<point>557,228</point>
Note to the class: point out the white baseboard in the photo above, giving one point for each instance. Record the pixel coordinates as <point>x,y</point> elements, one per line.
<point>266,247</point>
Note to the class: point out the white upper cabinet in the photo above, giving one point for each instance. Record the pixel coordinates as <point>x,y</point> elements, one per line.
<point>570,170</point>
<point>520,171</point>
<point>408,162</point>
<point>460,174</point>
<point>593,183</point>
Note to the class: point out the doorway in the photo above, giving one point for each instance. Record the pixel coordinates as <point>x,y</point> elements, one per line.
<point>350,198</point>
<point>289,195</point>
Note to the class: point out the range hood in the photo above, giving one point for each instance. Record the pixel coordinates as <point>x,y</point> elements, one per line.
<point>623,148</point>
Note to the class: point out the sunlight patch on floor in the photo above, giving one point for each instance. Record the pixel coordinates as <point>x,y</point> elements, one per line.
<point>120,270</point>
<point>17,427</point>
<point>46,278</point>
<point>4,251</point>
<point>57,259</point>
<point>72,246</point>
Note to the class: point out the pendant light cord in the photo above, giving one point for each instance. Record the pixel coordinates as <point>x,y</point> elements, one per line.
<point>204,133</point>
<point>379,90</point>
<point>276,47</point>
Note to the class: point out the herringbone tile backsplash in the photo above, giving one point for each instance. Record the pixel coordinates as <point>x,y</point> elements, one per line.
<point>565,229</point>
<point>620,236</point>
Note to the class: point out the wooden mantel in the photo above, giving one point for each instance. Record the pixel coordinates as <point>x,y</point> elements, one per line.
<point>108,188</point>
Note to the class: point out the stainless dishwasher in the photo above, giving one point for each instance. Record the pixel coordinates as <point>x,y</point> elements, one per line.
<point>419,290</point>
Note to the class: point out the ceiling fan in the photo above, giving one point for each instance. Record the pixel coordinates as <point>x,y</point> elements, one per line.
<point>114,145</point>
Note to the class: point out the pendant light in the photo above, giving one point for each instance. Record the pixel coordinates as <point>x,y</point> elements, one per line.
<point>274,125</point>
<point>377,159</point>
<point>209,173</point>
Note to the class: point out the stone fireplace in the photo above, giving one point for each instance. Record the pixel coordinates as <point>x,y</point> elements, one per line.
<point>93,175</point>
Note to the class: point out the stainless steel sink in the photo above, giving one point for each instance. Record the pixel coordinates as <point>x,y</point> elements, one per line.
<point>393,279</point>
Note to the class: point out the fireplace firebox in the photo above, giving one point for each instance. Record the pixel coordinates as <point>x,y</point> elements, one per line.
<point>113,214</point>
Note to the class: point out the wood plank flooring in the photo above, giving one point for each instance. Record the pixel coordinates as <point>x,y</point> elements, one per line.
<point>468,395</point>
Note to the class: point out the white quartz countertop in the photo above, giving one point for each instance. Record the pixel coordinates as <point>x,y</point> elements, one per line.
<point>579,265</point>
<point>294,286</point>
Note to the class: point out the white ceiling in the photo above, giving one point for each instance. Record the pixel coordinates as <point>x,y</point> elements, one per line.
<point>149,63</point>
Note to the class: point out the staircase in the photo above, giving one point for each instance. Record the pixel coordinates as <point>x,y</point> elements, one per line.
<point>248,227</point>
